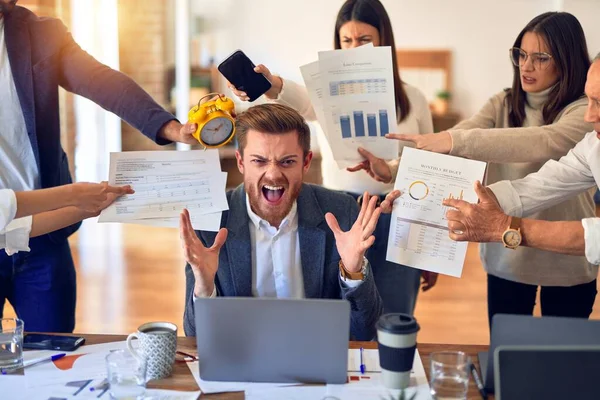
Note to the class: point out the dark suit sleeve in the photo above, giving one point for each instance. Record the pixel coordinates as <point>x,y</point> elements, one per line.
<point>82,74</point>
<point>365,304</point>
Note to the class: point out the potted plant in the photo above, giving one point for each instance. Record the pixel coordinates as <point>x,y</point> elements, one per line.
<point>442,102</point>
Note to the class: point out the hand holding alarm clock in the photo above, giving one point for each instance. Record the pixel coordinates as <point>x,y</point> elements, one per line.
<point>216,125</point>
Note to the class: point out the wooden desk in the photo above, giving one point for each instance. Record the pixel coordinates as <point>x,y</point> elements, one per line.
<point>182,378</point>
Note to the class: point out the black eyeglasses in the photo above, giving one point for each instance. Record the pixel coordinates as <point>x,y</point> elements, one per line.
<point>540,61</point>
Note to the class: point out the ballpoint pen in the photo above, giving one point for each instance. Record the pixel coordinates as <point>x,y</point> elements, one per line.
<point>43,359</point>
<point>478,382</point>
<point>101,386</point>
<point>362,364</point>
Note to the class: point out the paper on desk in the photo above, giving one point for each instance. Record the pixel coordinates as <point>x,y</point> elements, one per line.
<point>304,392</point>
<point>370,360</point>
<point>85,363</point>
<point>14,387</point>
<point>165,182</point>
<point>359,102</point>
<point>369,385</point>
<point>209,387</point>
<point>418,234</point>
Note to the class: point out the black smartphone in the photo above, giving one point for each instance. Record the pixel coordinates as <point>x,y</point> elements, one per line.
<point>38,341</point>
<point>239,70</point>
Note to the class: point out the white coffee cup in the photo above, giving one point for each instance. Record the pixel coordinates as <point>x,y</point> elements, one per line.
<point>157,345</point>
<point>397,342</point>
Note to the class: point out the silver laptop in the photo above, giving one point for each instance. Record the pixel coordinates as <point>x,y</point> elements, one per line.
<point>243,339</point>
<point>546,372</point>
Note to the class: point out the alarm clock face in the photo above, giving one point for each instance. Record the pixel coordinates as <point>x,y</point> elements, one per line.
<point>216,131</point>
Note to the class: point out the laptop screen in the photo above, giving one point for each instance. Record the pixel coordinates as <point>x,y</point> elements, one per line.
<point>546,372</point>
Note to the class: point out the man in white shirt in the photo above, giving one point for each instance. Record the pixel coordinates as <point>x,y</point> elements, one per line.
<point>37,56</point>
<point>283,238</point>
<point>497,217</point>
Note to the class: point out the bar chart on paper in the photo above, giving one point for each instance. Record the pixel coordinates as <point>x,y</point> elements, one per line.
<point>359,124</point>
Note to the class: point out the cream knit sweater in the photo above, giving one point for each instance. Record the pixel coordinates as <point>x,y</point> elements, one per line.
<point>514,153</point>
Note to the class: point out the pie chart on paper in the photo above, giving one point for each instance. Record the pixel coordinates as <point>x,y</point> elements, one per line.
<point>418,190</point>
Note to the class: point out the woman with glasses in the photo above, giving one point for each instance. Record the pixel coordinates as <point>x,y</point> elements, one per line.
<point>360,22</point>
<point>540,118</point>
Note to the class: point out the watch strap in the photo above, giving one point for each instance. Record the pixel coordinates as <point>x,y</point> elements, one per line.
<point>355,276</point>
<point>515,223</point>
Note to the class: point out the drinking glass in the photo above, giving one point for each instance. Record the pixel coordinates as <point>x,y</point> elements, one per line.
<point>11,343</point>
<point>450,375</point>
<point>126,375</point>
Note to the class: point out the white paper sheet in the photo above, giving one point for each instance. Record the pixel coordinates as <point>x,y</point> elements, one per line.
<point>209,387</point>
<point>359,102</point>
<point>359,80</point>
<point>85,363</point>
<point>419,231</point>
<point>15,387</point>
<point>166,182</point>
<point>369,385</point>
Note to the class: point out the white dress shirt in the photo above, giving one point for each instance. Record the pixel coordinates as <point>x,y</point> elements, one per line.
<point>574,173</point>
<point>276,264</point>
<point>18,168</point>
<point>14,233</point>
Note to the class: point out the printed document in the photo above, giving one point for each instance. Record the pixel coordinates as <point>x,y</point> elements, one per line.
<point>352,92</point>
<point>166,182</point>
<point>419,230</point>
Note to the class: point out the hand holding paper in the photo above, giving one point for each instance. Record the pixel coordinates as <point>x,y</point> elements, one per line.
<point>419,228</point>
<point>471,222</point>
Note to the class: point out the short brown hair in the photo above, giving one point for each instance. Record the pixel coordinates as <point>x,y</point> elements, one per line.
<point>273,119</point>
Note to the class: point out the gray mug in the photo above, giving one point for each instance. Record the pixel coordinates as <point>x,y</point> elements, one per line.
<point>157,345</point>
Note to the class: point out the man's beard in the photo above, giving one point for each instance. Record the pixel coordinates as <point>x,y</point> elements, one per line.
<point>272,214</point>
<point>6,8</point>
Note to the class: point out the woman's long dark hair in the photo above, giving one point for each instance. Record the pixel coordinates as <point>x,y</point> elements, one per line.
<point>564,37</point>
<point>373,13</point>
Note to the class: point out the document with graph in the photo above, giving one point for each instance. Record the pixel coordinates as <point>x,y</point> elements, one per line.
<point>419,230</point>
<point>166,182</point>
<point>352,92</point>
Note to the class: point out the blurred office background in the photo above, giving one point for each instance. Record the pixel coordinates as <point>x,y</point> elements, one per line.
<point>455,52</point>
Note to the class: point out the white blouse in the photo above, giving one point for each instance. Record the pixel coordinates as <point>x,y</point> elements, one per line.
<point>14,233</point>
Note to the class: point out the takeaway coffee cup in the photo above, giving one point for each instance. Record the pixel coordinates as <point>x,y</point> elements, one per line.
<point>397,340</point>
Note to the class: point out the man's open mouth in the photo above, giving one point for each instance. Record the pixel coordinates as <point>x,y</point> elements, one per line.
<point>273,193</point>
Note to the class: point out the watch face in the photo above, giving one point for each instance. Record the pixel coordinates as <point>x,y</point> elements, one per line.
<point>216,131</point>
<point>512,238</point>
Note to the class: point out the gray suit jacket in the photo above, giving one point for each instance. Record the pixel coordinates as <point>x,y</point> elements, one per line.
<point>318,254</point>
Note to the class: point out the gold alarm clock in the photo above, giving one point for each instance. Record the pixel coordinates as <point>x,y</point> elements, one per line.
<point>216,125</point>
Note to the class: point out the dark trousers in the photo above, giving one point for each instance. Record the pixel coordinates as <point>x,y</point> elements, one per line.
<point>40,285</point>
<point>508,297</point>
<point>398,285</point>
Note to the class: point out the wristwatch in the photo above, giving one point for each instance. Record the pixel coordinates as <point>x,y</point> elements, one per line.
<point>355,276</point>
<point>511,238</point>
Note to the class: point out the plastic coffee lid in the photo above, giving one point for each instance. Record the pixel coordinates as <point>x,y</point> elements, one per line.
<point>398,323</point>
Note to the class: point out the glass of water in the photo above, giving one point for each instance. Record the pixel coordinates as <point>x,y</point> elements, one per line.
<point>449,375</point>
<point>11,343</point>
<point>126,375</point>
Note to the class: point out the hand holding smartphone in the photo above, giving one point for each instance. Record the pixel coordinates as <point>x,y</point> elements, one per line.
<point>239,70</point>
